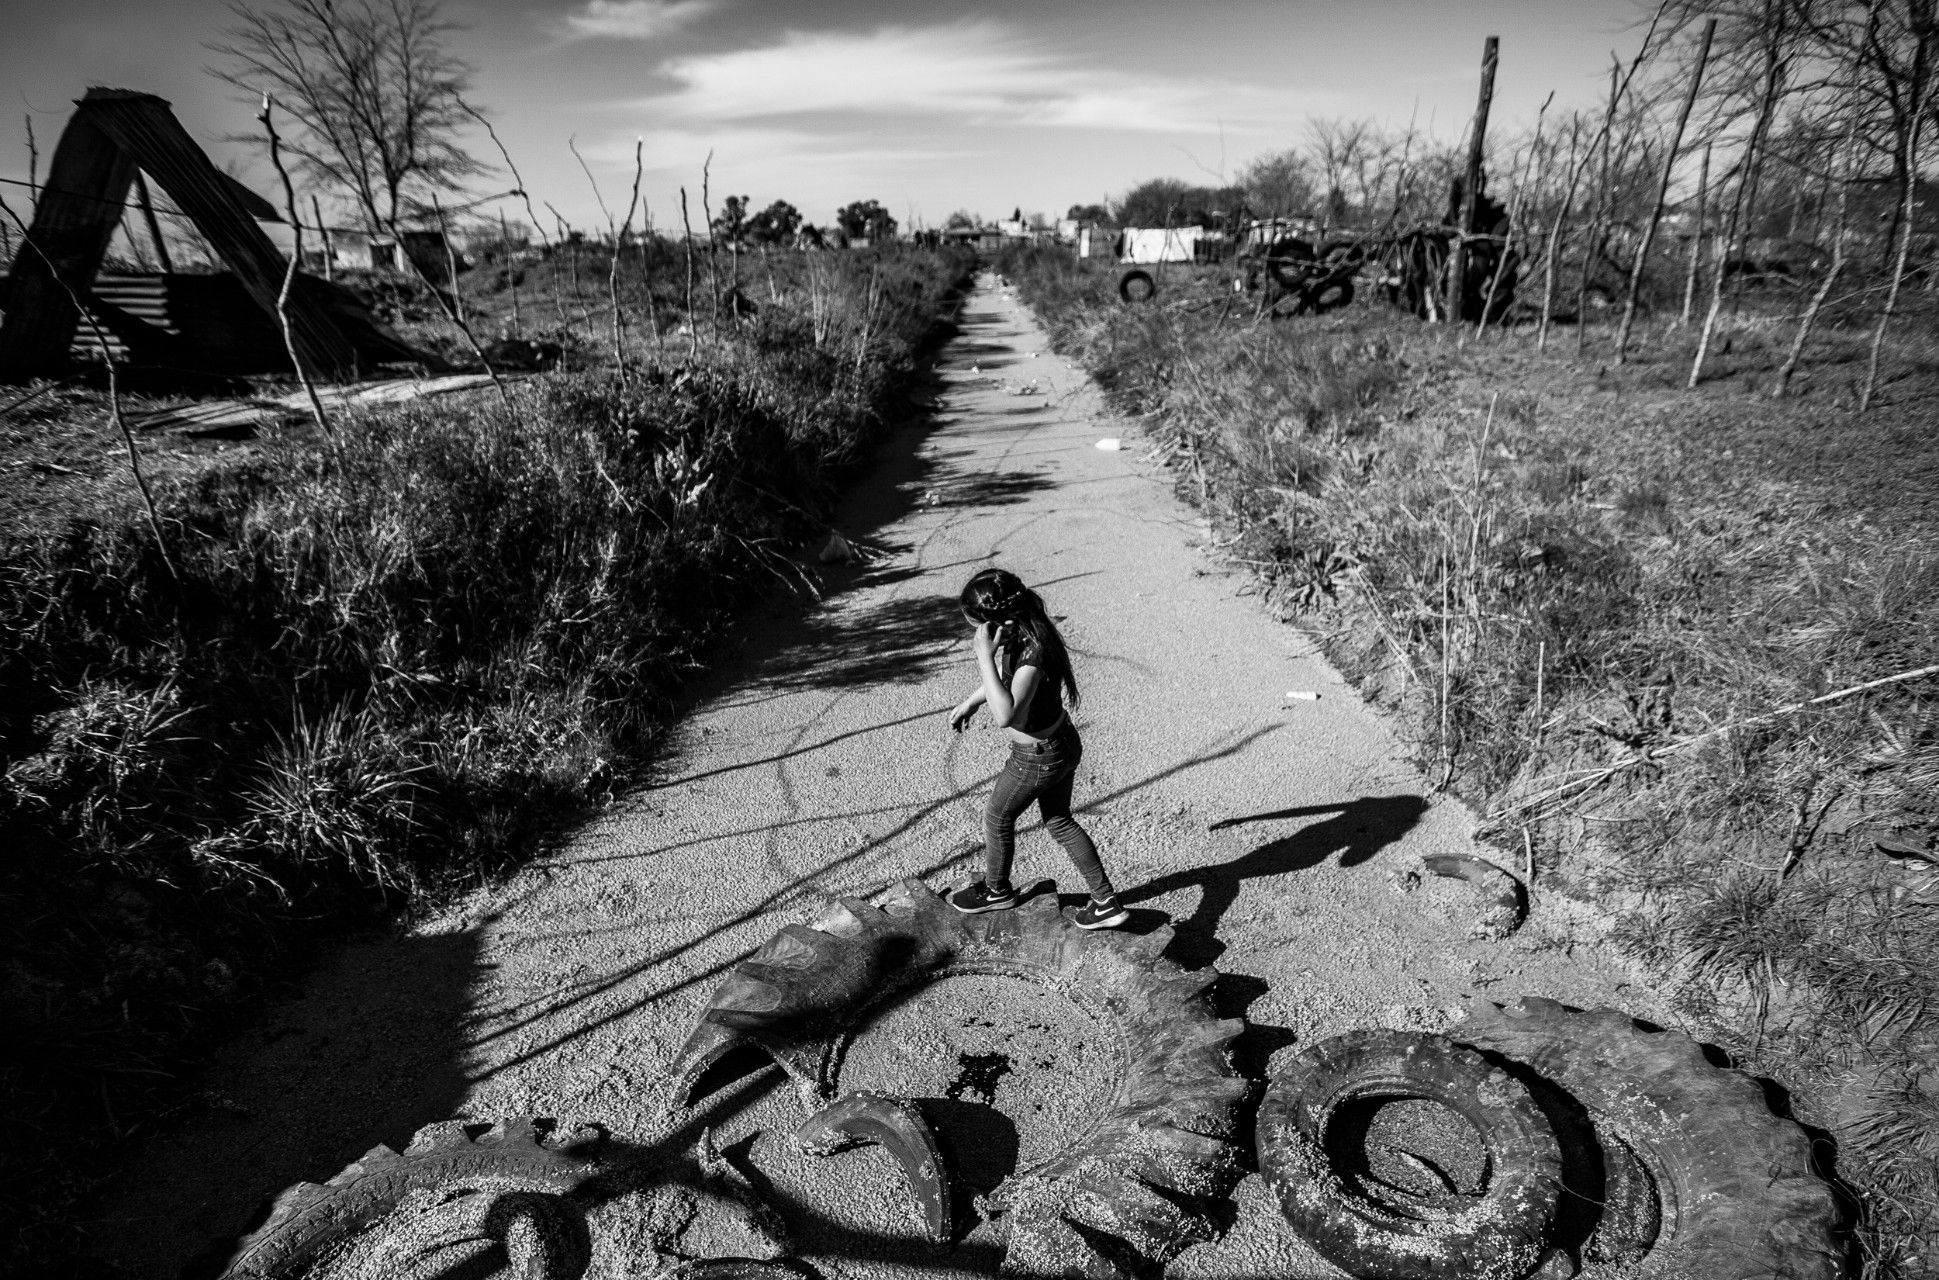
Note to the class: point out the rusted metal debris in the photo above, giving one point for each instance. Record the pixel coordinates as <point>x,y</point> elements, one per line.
<point>112,134</point>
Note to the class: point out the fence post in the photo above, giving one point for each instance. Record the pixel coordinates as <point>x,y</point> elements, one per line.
<point>1477,142</point>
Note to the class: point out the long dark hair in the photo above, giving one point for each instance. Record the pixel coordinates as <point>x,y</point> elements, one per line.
<point>998,596</point>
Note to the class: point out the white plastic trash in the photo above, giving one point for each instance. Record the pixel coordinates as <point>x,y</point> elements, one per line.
<point>1302,695</point>
<point>836,550</point>
<point>1110,444</point>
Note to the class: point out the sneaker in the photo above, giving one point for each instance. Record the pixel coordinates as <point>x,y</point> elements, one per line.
<point>976,898</point>
<point>1101,913</point>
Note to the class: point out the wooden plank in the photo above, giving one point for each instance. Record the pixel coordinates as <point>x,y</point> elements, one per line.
<point>79,209</point>
<point>208,413</point>
<point>394,390</point>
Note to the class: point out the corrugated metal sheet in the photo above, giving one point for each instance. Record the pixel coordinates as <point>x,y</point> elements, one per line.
<point>111,133</point>
<point>143,126</point>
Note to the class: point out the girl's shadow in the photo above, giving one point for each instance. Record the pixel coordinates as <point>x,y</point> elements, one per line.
<point>1357,830</point>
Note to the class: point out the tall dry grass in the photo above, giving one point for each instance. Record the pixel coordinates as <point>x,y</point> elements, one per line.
<point>1567,583</point>
<point>387,668</point>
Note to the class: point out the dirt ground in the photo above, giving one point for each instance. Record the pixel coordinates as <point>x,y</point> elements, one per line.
<point>60,454</point>
<point>1277,834</point>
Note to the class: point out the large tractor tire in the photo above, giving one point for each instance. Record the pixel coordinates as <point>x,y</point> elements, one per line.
<point>1493,1229</point>
<point>490,1192</point>
<point>1673,1167</point>
<point>1125,1191</point>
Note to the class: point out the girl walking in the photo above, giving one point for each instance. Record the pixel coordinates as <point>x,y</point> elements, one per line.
<point>1025,680</point>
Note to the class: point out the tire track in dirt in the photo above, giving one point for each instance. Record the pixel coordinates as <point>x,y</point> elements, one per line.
<point>817,761</point>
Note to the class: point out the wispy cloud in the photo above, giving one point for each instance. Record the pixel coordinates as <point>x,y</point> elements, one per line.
<point>976,71</point>
<point>633,19</point>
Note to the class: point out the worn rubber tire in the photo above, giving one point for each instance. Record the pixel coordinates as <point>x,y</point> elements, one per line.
<point>1290,263</point>
<point>532,1158</point>
<point>898,1126</point>
<point>1330,294</point>
<point>1137,286</point>
<point>1125,1194</point>
<point>1735,1194</point>
<point>1499,1235</point>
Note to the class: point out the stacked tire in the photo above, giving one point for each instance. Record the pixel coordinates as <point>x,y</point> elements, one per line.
<point>1600,1142</point>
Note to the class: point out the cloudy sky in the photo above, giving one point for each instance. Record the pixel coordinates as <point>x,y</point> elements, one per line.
<point>927,107</point>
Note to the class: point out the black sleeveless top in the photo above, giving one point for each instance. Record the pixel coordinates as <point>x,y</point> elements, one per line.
<point>1046,706</point>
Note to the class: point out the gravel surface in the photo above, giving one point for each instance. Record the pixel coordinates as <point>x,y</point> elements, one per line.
<point>817,761</point>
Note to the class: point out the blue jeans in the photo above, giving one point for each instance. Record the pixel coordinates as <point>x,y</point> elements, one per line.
<point>1043,772</point>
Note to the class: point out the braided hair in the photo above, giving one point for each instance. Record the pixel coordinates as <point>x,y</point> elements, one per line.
<point>998,596</point>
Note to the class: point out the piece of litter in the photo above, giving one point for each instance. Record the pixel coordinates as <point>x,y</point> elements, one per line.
<point>1110,444</point>
<point>836,549</point>
<point>1302,695</point>
<point>976,368</point>
<point>1902,848</point>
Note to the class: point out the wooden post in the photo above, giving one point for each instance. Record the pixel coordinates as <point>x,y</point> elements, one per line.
<point>693,322</point>
<point>33,167</point>
<point>612,267</point>
<point>713,254</point>
<point>1662,191</point>
<point>1598,224</point>
<point>1773,69</point>
<point>1696,238</point>
<point>1837,267</point>
<point>154,227</point>
<point>1555,236</point>
<point>1514,218</point>
<point>511,273</point>
<point>289,270</point>
<point>450,261</point>
<point>1477,144</point>
<point>323,233</point>
<point>1760,146</point>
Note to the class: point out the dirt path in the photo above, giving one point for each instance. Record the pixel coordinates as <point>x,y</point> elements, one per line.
<point>1272,833</point>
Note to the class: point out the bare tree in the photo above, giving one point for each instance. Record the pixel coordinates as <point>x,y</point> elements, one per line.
<point>1344,149</point>
<point>1919,25</point>
<point>375,96</point>
<point>1278,185</point>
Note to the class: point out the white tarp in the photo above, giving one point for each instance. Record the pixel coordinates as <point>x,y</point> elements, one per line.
<point>1159,244</point>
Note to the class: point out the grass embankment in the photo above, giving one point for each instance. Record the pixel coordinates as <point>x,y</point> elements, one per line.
<point>1570,580</point>
<point>390,662</point>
